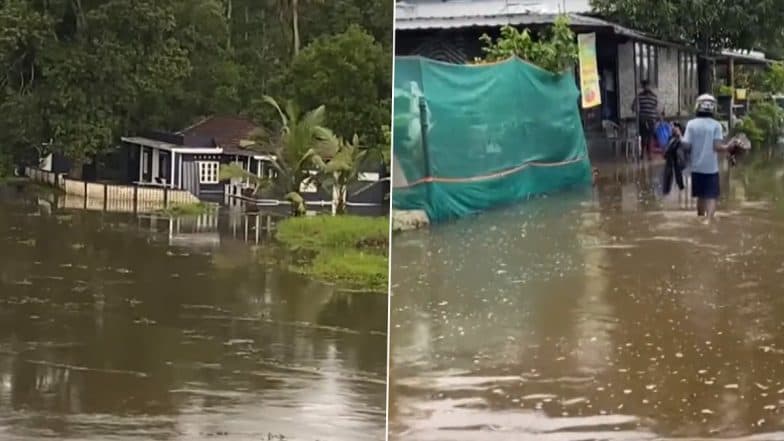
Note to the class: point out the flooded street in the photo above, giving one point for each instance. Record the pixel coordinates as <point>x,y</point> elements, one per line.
<point>116,327</point>
<point>615,315</point>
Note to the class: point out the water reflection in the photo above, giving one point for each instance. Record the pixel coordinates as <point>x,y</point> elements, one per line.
<point>122,327</point>
<point>611,316</point>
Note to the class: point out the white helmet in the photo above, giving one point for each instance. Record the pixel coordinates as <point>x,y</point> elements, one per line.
<point>706,104</point>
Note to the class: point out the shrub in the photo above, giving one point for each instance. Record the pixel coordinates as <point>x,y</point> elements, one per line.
<point>555,50</point>
<point>764,124</point>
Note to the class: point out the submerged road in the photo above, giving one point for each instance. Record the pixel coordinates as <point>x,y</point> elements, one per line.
<point>615,315</point>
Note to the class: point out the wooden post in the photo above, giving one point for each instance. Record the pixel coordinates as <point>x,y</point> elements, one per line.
<point>165,197</point>
<point>105,197</point>
<point>135,198</point>
<point>258,226</point>
<point>85,195</point>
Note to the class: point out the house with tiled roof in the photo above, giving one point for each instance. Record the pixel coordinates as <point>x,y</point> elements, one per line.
<point>191,158</point>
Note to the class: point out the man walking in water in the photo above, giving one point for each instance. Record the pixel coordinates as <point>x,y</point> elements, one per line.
<point>647,107</point>
<point>704,135</point>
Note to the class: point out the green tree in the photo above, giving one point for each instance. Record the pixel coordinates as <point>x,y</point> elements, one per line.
<point>213,86</point>
<point>292,8</point>
<point>82,73</point>
<point>126,60</point>
<point>349,73</point>
<point>336,16</point>
<point>708,25</point>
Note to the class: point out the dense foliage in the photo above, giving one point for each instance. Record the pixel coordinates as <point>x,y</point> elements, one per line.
<point>78,74</point>
<point>708,25</point>
<point>555,50</point>
<point>764,124</point>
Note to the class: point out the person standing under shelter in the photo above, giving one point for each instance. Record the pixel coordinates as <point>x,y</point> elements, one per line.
<point>705,137</point>
<point>646,105</point>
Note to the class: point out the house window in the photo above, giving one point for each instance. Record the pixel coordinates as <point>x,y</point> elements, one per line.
<point>647,60</point>
<point>208,172</point>
<point>368,177</point>
<point>267,170</point>
<point>309,186</point>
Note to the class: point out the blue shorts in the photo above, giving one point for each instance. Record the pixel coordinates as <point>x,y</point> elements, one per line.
<point>705,186</point>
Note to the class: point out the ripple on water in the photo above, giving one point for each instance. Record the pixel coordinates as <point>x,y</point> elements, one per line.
<point>673,327</point>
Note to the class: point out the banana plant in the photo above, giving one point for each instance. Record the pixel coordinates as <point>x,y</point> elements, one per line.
<point>342,170</point>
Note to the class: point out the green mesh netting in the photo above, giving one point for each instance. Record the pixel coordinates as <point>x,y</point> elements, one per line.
<point>494,134</point>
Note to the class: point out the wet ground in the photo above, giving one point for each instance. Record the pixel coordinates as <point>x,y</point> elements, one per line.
<point>116,327</point>
<point>615,315</point>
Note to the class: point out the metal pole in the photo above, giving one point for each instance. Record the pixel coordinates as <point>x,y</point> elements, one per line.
<point>425,148</point>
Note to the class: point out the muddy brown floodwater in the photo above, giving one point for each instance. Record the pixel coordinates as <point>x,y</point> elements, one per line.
<point>114,327</point>
<point>610,316</point>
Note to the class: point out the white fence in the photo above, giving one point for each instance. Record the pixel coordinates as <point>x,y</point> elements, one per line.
<point>111,197</point>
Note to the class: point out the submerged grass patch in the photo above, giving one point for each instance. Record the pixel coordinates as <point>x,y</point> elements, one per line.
<point>10,179</point>
<point>185,209</point>
<point>318,232</point>
<point>355,267</point>
<point>349,250</point>
<point>29,185</point>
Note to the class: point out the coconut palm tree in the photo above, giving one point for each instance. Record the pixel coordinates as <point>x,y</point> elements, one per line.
<point>301,136</point>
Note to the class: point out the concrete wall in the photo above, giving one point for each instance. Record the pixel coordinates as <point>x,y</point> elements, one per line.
<point>626,79</point>
<point>669,80</point>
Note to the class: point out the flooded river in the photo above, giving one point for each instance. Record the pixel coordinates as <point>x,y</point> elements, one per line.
<point>116,327</point>
<point>610,316</point>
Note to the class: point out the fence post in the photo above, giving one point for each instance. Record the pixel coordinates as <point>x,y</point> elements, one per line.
<point>105,197</point>
<point>85,195</point>
<point>135,198</point>
<point>165,197</point>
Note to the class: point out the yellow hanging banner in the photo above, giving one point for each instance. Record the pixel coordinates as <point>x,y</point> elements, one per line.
<point>589,71</point>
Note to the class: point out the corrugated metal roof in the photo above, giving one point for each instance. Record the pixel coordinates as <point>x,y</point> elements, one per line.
<point>746,57</point>
<point>493,13</point>
<point>471,14</point>
<point>455,14</point>
<point>477,8</point>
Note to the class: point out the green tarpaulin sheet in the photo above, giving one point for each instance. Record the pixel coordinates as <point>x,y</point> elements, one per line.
<point>471,137</point>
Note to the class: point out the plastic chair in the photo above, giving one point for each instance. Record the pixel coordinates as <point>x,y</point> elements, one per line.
<point>614,134</point>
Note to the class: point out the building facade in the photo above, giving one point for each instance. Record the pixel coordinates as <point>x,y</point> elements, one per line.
<point>192,159</point>
<point>449,31</point>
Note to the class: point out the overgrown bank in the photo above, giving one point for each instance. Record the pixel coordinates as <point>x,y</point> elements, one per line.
<point>347,250</point>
